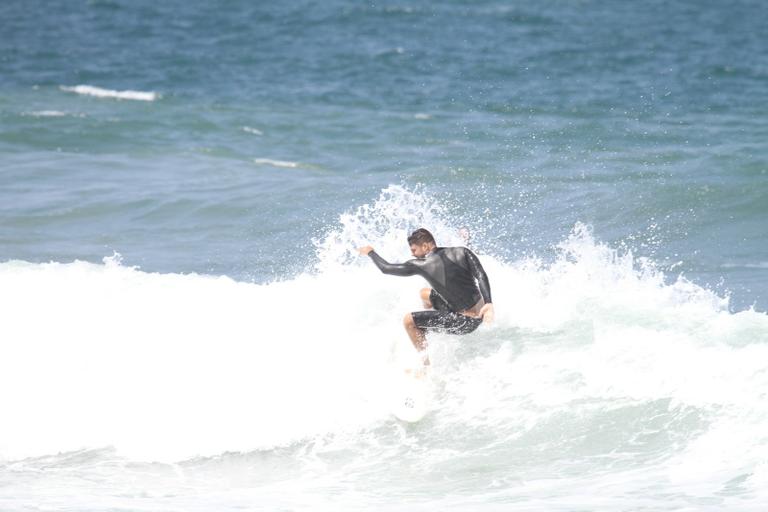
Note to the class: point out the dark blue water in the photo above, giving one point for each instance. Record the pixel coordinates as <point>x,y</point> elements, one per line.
<point>646,121</point>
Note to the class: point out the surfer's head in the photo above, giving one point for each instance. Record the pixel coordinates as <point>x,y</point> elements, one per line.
<point>421,242</point>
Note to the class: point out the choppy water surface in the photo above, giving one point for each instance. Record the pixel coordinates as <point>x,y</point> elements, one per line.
<point>186,324</point>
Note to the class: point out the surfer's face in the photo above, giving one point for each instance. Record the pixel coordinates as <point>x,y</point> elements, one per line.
<point>420,250</point>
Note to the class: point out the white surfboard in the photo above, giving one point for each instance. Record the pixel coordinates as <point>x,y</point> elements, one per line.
<point>411,391</point>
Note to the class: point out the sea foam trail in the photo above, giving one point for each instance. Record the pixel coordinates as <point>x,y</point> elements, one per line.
<point>276,163</point>
<point>89,90</point>
<point>595,359</point>
<point>51,113</point>
<point>172,366</point>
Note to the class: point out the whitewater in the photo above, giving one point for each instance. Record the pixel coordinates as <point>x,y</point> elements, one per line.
<point>603,384</point>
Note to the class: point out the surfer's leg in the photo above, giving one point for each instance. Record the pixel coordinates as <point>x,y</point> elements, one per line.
<point>417,336</point>
<point>425,293</point>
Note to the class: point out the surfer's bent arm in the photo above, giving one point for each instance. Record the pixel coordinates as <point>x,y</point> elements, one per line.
<point>394,269</point>
<point>480,276</point>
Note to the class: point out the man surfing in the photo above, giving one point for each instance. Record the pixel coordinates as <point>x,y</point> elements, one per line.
<point>459,299</point>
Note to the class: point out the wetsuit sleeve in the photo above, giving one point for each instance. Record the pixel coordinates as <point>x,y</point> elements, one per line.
<point>480,276</point>
<point>395,269</point>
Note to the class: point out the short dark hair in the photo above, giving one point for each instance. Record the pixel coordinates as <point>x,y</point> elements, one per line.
<point>421,236</point>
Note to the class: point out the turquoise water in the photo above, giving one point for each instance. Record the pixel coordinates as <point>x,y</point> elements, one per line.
<point>182,173</point>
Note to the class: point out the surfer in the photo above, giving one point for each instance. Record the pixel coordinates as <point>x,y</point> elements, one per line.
<point>459,299</point>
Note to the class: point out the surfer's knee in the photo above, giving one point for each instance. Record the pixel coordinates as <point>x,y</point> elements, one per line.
<point>408,321</point>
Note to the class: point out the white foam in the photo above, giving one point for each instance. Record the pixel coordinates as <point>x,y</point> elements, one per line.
<point>254,131</point>
<point>89,90</point>
<point>169,366</point>
<point>276,163</point>
<point>759,264</point>
<point>51,113</point>
<point>46,113</point>
<point>386,223</point>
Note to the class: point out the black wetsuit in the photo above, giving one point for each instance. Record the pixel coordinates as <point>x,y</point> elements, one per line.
<point>458,282</point>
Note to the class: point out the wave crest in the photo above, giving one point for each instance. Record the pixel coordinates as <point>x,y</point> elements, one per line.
<point>98,92</point>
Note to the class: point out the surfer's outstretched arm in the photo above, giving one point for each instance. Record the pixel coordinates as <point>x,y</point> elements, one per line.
<point>395,269</point>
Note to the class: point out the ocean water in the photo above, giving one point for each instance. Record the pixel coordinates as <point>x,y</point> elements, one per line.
<point>184,322</point>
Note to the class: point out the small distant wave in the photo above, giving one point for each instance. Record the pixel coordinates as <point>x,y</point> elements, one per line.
<point>51,113</point>
<point>759,264</point>
<point>254,131</point>
<point>276,163</point>
<point>421,116</point>
<point>89,90</point>
<point>389,52</point>
<point>395,9</point>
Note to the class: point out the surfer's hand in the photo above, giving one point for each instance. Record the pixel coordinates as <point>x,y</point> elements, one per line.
<point>486,313</point>
<point>364,251</point>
